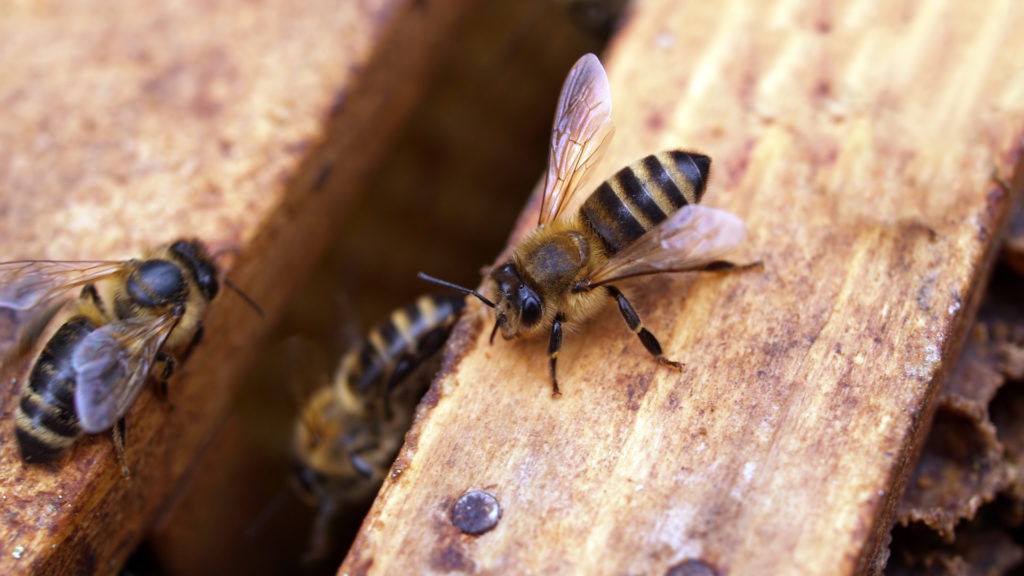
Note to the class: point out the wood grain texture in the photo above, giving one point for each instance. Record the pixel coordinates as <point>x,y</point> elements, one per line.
<point>248,125</point>
<point>443,200</point>
<point>858,143</point>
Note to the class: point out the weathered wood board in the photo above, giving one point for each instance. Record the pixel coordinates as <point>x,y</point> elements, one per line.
<point>858,142</point>
<point>248,125</point>
<point>443,200</point>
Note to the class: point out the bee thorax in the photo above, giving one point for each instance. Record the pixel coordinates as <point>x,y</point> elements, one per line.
<point>555,262</point>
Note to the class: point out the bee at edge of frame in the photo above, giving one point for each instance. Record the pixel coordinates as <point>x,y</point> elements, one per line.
<point>645,219</point>
<point>129,316</point>
<point>350,431</point>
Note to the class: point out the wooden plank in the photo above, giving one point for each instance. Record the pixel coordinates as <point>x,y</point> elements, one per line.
<point>969,472</point>
<point>858,143</point>
<point>443,200</point>
<point>247,125</point>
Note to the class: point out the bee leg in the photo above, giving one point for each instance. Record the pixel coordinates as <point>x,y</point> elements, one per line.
<point>723,265</point>
<point>554,345</point>
<point>196,338</point>
<point>118,434</point>
<point>169,365</point>
<point>634,323</point>
<point>319,540</point>
<point>161,382</point>
<point>999,180</point>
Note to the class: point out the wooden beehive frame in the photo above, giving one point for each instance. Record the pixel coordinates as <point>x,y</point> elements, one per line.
<point>859,146</point>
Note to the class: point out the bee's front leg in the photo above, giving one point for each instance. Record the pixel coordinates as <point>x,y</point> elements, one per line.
<point>554,345</point>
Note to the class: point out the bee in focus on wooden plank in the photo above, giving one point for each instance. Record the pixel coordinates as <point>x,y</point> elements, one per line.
<point>645,219</point>
<point>350,431</point>
<point>129,316</point>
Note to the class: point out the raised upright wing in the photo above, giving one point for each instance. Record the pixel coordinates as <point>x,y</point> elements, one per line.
<point>583,122</point>
<point>112,364</point>
<point>691,238</point>
<point>25,284</point>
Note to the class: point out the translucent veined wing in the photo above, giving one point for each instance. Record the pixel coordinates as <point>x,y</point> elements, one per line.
<point>32,326</point>
<point>112,363</point>
<point>583,122</point>
<point>28,283</point>
<point>691,238</point>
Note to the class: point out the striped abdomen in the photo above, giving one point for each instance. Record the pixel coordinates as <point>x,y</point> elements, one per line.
<point>401,343</point>
<point>46,423</point>
<point>641,195</point>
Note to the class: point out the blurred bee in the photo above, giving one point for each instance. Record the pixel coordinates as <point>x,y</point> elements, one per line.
<point>645,219</point>
<point>350,431</point>
<point>129,316</point>
<point>597,17</point>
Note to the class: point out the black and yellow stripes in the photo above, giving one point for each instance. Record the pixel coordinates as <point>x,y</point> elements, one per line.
<point>46,423</point>
<point>399,344</point>
<point>643,194</point>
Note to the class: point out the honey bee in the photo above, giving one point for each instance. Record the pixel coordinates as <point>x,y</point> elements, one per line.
<point>350,431</point>
<point>129,316</point>
<point>645,219</point>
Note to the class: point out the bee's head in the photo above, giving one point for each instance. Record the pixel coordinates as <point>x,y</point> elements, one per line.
<point>324,448</point>
<point>518,308</point>
<point>193,255</point>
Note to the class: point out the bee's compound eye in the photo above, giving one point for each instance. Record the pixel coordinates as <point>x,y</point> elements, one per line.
<point>193,255</point>
<point>531,310</point>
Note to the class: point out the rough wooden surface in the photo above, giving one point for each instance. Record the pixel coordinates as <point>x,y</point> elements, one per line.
<point>443,200</point>
<point>963,504</point>
<point>247,125</point>
<point>858,143</point>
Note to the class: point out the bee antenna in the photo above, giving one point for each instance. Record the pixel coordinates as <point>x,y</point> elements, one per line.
<point>252,303</point>
<point>234,249</point>
<point>461,289</point>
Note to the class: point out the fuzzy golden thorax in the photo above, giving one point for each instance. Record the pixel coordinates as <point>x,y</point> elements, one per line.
<point>540,279</point>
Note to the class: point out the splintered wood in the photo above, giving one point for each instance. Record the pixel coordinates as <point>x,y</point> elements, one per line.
<point>247,125</point>
<point>964,501</point>
<point>859,144</point>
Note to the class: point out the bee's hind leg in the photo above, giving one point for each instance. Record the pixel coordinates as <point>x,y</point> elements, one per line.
<point>118,434</point>
<point>634,323</point>
<point>320,538</point>
<point>726,266</point>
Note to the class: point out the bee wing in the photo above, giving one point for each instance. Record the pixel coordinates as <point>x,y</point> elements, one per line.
<point>112,363</point>
<point>583,122</point>
<point>32,326</point>
<point>27,283</point>
<point>691,238</point>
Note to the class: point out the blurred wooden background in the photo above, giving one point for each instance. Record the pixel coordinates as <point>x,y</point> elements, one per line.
<point>442,200</point>
<point>856,139</point>
<point>250,126</point>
